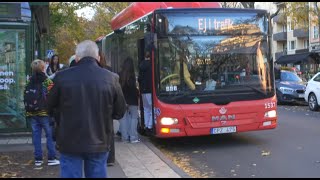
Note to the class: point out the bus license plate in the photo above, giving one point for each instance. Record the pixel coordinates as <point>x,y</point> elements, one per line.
<point>222,130</point>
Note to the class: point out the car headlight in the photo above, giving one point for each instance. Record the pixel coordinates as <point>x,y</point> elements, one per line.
<point>168,121</point>
<point>286,90</point>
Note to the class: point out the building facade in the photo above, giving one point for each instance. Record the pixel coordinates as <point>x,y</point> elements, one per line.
<point>296,45</point>
<point>24,28</point>
<point>314,31</point>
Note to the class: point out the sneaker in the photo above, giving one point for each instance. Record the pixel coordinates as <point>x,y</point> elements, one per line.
<point>135,141</point>
<point>110,164</point>
<point>38,162</point>
<point>53,162</point>
<point>118,133</point>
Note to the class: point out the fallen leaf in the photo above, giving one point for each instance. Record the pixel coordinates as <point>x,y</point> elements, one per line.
<point>238,165</point>
<point>254,164</point>
<point>4,157</point>
<point>253,175</point>
<point>234,174</point>
<point>3,175</point>
<point>30,162</point>
<point>9,174</point>
<point>317,161</point>
<point>195,152</point>
<point>203,152</point>
<point>232,170</point>
<point>265,153</point>
<point>13,174</point>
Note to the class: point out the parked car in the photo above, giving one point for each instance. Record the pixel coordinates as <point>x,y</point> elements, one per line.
<point>312,94</point>
<point>289,87</point>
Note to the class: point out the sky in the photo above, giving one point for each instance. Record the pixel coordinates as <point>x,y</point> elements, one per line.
<point>86,12</point>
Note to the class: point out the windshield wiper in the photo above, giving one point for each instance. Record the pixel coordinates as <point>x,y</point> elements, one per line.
<point>256,90</point>
<point>178,96</point>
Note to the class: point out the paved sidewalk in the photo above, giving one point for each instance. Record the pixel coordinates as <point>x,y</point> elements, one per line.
<point>139,160</point>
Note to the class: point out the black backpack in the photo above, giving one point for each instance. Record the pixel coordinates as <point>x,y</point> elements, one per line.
<point>35,97</point>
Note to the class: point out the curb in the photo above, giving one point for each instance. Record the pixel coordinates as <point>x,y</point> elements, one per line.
<point>16,135</point>
<point>163,157</point>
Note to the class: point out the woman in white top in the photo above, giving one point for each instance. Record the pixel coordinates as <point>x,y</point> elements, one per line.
<point>54,66</point>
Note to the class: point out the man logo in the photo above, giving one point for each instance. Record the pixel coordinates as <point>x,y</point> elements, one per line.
<point>223,117</point>
<point>223,110</point>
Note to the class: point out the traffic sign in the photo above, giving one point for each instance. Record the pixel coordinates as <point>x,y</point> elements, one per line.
<point>50,53</point>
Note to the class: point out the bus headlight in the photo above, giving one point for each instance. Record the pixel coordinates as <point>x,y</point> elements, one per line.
<point>168,121</point>
<point>271,114</point>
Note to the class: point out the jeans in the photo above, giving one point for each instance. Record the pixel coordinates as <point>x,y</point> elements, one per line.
<point>38,123</point>
<point>147,106</point>
<point>94,165</point>
<point>129,124</point>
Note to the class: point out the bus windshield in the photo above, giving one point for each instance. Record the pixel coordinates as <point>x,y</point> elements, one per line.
<point>218,57</point>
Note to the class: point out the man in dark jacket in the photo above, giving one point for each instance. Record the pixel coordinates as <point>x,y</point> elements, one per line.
<point>145,83</point>
<point>88,98</point>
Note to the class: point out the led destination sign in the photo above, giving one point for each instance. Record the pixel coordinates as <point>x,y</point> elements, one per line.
<point>205,24</point>
<point>211,23</point>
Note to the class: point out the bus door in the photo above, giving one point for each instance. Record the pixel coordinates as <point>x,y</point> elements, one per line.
<point>140,45</point>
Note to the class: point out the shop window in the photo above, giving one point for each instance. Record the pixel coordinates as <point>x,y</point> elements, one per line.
<point>12,78</point>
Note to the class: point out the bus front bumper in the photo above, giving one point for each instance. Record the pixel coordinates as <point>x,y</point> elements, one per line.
<point>180,131</point>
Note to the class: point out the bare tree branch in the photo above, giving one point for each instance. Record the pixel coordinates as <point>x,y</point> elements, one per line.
<point>248,4</point>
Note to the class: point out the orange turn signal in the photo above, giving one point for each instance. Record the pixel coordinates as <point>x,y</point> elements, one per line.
<point>165,130</point>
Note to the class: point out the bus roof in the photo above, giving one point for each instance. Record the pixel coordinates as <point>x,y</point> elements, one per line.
<point>138,9</point>
<point>99,38</point>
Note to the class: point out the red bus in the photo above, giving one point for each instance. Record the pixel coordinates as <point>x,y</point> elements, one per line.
<point>212,67</point>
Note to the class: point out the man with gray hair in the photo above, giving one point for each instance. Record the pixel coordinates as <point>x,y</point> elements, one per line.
<point>88,98</point>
